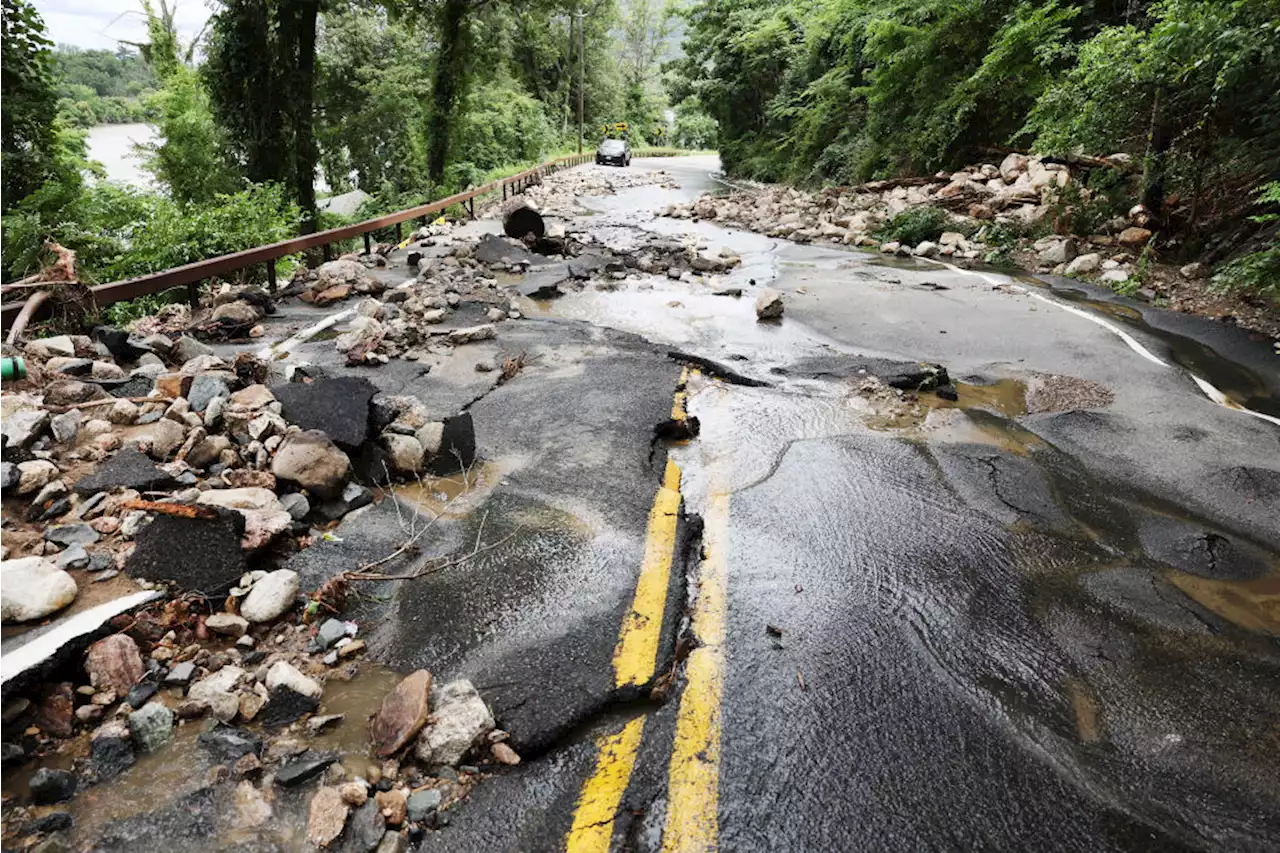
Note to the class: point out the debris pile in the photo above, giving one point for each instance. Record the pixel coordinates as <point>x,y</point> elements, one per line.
<point>557,194</point>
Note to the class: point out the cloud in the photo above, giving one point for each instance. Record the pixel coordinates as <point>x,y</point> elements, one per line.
<point>104,23</point>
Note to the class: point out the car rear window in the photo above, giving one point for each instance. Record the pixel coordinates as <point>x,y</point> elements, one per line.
<point>611,146</point>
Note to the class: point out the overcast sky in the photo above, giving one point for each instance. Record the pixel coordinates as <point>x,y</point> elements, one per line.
<point>101,23</point>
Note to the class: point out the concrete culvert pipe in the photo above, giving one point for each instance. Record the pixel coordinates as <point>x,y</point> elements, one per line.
<point>520,217</point>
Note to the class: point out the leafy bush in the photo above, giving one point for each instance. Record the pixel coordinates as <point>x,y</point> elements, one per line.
<point>915,225</point>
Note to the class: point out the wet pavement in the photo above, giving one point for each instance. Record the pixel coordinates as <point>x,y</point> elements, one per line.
<point>1040,616</point>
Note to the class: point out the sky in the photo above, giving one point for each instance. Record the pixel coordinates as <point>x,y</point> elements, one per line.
<point>101,23</point>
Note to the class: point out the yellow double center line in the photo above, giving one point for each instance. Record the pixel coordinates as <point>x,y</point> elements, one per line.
<point>694,771</point>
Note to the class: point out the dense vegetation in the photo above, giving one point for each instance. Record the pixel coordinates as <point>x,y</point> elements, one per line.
<point>407,100</point>
<point>842,91</point>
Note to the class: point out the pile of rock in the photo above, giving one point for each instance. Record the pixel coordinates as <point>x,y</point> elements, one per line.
<point>557,194</point>
<point>336,280</point>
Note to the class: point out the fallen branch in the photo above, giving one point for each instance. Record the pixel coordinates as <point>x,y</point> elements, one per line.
<point>178,510</point>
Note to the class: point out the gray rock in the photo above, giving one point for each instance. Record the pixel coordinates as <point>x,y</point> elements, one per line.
<point>180,675</point>
<point>22,428</point>
<point>296,504</point>
<point>227,624</point>
<point>32,588</point>
<point>271,596</point>
<point>187,348</point>
<point>1084,264</point>
<point>312,461</point>
<point>71,534</point>
<point>52,786</point>
<point>305,767</point>
<point>365,829</point>
<point>460,719</point>
<point>393,842</point>
<point>75,557</point>
<point>151,726</point>
<point>769,305</point>
<point>1196,270</point>
<point>226,744</point>
<point>330,632</point>
<point>10,476</point>
<point>65,426</point>
<point>926,249</point>
<point>423,803</point>
<point>204,388</point>
<point>111,751</point>
<point>239,312</point>
<point>59,345</point>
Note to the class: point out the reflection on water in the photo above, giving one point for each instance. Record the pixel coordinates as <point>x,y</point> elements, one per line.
<point>113,145</point>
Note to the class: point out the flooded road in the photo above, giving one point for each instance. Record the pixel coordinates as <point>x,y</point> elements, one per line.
<point>753,592</point>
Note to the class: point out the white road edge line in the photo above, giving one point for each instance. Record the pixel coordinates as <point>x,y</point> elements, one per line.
<point>1209,390</point>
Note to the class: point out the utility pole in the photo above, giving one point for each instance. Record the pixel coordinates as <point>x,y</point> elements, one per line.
<point>582,77</point>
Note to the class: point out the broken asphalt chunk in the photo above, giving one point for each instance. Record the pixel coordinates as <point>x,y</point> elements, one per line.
<point>337,407</point>
<point>128,469</point>
<point>198,554</point>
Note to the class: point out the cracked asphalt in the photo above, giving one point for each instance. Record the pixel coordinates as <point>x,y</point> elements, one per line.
<point>887,624</point>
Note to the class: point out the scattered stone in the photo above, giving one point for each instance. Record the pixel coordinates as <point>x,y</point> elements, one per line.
<point>21,429</point>
<point>122,413</point>
<point>1196,270</point>
<point>296,504</point>
<point>330,632</point>
<point>305,767</point>
<point>327,817</point>
<point>270,596</point>
<point>151,726</point>
<point>769,305</point>
<point>181,675</point>
<point>285,675</point>
<point>1058,252</point>
<point>1134,237</point>
<point>402,714</point>
<point>46,348</point>
<point>226,744</point>
<point>456,447</point>
<point>75,557</point>
<point>422,803</point>
<point>111,750</point>
<point>32,588</point>
<point>52,786</point>
<point>315,725</point>
<point>354,793</point>
<point>1084,264</point>
<point>471,334</point>
<point>186,348</point>
<point>504,754</point>
<point>364,830</point>
<point>71,534</point>
<point>204,389</point>
<point>459,720</point>
<point>34,475</point>
<point>247,764</point>
<point>114,663</point>
<point>227,624</point>
<point>140,693</point>
<point>311,460</point>
<point>393,806</point>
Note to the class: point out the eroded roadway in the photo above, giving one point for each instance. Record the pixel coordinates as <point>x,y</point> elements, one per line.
<point>985,629</point>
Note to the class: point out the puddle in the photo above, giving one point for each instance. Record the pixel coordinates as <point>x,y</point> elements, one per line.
<point>159,779</point>
<point>1253,605</point>
<point>453,496</point>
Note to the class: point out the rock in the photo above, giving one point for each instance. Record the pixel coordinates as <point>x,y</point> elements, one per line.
<point>460,719</point>
<point>205,388</point>
<point>106,370</point>
<point>32,588</point>
<point>393,806</point>
<point>45,348</point>
<point>1058,252</point>
<point>305,767</point>
<point>337,407</point>
<point>1134,237</point>
<point>22,428</point>
<point>239,312</point>
<point>327,817</point>
<point>52,786</point>
<point>251,704</point>
<point>1196,270</point>
<point>364,830</point>
<point>114,663</point>
<point>65,426</point>
<point>283,674</point>
<point>122,413</point>
<point>296,504</point>
<point>198,554</point>
<point>393,842</point>
<point>769,305</point>
<point>271,596</point>
<point>311,460</point>
<point>111,751</point>
<point>226,745</point>
<point>315,725</point>
<point>138,696</point>
<point>227,624</point>
<point>163,438</point>
<point>243,498</point>
<point>128,469</point>
<point>364,336</point>
<point>151,726</point>
<point>890,248</point>
<point>69,366</point>
<point>926,249</point>
<point>55,710</point>
<point>34,475</point>
<point>402,714</point>
<point>504,754</point>
<point>207,451</point>
<point>1084,264</point>
<point>218,692</point>
<point>10,476</point>
<point>471,334</point>
<point>70,392</point>
<point>71,534</point>
<point>330,632</point>
<point>404,452</point>
<point>332,294</point>
<point>422,803</point>
<point>75,557</point>
<point>1114,277</point>
<point>180,676</point>
<point>1012,166</point>
<point>187,348</point>
<point>354,793</point>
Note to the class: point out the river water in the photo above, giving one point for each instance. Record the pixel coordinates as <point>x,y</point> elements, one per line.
<point>112,145</point>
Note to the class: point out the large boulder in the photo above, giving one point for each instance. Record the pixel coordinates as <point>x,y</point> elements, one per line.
<point>32,588</point>
<point>460,719</point>
<point>309,459</point>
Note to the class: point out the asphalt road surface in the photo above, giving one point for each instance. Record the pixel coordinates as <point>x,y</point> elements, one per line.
<point>1040,617</point>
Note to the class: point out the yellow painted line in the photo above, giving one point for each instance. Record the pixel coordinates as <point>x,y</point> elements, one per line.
<point>593,820</point>
<point>637,650</point>
<point>694,774</point>
<point>634,660</point>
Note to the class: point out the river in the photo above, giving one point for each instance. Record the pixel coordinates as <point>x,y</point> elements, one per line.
<point>112,145</point>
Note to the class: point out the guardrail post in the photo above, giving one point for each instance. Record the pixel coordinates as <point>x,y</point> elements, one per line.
<point>328,253</point>
<point>399,238</point>
<point>471,207</point>
<point>504,190</point>
<point>271,276</point>
<point>193,294</point>
<point>368,245</point>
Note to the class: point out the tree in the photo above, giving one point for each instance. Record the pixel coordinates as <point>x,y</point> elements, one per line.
<point>28,102</point>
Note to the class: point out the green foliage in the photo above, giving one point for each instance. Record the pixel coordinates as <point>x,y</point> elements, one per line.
<point>501,124</point>
<point>694,129</point>
<point>1257,272</point>
<point>915,225</point>
<point>192,159</point>
<point>122,314</point>
<point>107,74</point>
<point>28,146</point>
